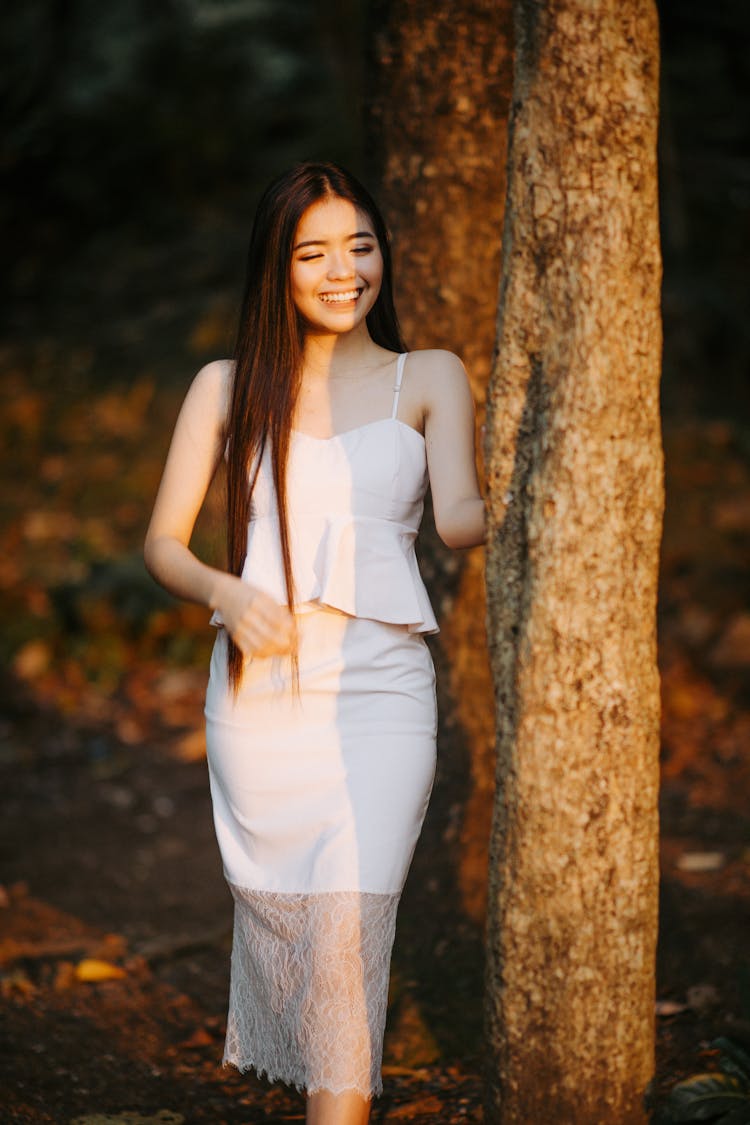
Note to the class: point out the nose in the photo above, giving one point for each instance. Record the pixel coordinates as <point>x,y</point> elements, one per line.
<point>339,265</point>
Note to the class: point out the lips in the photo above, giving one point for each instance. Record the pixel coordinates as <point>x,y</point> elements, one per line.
<point>339,298</point>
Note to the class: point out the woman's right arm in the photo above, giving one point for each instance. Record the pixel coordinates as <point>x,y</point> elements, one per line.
<point>256,623</point>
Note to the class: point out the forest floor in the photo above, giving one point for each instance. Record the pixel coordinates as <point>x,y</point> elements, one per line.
<point>115,923</point>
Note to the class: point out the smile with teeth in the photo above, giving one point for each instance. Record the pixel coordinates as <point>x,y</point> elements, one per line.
<point>336,298</point>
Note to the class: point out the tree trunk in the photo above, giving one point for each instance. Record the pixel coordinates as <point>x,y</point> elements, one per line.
<point>573,444</point>
<point>439,83</point>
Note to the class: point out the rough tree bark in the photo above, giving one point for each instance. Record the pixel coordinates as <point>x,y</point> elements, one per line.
<point>573,443</point>
<point>439,86</point>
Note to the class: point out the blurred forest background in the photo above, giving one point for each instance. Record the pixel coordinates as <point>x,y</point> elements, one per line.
<point>136,139</point>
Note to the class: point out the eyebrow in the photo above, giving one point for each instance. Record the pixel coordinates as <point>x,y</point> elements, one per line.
<point>323,241</point>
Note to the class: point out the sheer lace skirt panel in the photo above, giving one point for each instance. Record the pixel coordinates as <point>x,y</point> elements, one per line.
<point>309,987</point>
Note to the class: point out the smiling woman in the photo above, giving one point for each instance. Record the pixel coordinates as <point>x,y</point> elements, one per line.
<point>320,708</point>
<point>336,264</point>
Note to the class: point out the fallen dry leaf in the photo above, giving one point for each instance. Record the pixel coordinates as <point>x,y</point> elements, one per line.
<point>199,1038</point>
<point>423,1106</point>
<point>701,861</point>
<point>669,1008</point>
<point>91,969</point>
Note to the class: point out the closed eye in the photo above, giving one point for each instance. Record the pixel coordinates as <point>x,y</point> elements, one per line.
<point>360,251</point>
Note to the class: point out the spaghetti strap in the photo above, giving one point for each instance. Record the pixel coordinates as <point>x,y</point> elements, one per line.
<point>399,377</point>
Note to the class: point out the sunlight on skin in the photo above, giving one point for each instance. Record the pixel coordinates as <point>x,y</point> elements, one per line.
<point>325,1108</point>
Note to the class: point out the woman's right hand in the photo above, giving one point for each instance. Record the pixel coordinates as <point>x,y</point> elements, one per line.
<point>257,624</point>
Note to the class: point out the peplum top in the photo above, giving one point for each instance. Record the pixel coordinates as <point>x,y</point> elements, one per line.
<point>355,503</point>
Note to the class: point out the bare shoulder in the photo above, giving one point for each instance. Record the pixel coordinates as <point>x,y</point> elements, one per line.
<point>436,363</point>
<point>211,388</point>
<point>215,377</point>
<point>439,376</point>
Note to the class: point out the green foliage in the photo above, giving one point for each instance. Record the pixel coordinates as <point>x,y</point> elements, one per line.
<point>723,1098</point>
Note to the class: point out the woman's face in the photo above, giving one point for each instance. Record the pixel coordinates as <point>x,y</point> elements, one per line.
<point>337,267</point>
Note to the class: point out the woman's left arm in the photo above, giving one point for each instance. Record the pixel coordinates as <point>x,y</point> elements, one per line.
<point>451,459</point>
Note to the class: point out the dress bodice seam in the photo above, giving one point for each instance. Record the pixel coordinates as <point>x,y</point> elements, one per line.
<point>356,429</point>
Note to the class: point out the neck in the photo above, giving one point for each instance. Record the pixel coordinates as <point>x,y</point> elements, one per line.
<point>335,354</point>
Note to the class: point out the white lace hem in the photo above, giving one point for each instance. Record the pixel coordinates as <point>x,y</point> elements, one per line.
<point>309,987</point>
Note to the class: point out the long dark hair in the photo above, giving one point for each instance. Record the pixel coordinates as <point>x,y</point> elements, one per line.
<point>269,348</point>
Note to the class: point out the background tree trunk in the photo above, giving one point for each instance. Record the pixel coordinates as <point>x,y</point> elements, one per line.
<point>573,438</point>
<point>439,85</point>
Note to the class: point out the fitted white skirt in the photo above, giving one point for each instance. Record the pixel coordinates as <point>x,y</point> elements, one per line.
<point>318,798</point>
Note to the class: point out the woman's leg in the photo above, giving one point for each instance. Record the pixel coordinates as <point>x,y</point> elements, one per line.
<point>340,1047</point>
<point>325,1108</point>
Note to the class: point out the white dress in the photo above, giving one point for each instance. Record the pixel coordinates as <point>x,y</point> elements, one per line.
<point>319,796</point>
